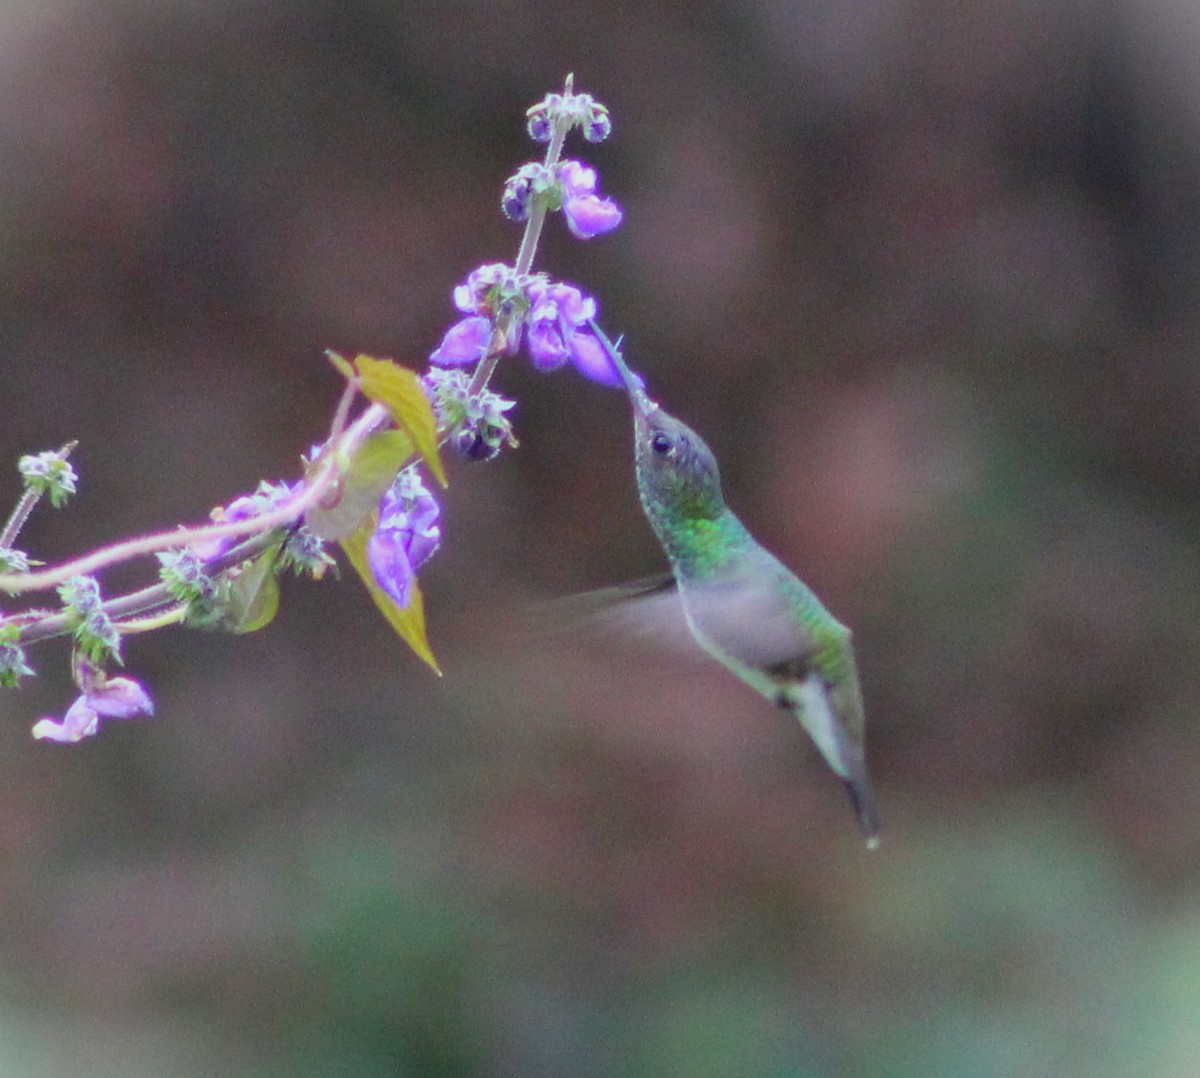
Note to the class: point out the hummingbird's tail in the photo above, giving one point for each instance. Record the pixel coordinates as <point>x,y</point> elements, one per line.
<point>862,797</point>
<point>842,748</point>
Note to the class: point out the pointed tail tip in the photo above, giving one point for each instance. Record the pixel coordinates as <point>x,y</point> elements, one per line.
<point>862,797</point>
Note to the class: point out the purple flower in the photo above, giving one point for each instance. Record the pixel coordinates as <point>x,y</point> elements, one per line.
<point>591,360</point>
<point>597,125</point>
<point>586,212</point>
<point>556,312</point>
<point>489,293</point>
<point>111,698</point>
<point>552,316</point>
<point>557,334</point>
<point>406,536</point>
<point>465,342</point>
<point>487,289</point>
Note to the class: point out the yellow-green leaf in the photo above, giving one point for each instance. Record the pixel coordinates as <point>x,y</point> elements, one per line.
<point>408,621</point>
<point>340,364</point>
<point>399,390</point>
<point>371,472</point>
<point>253,598</point>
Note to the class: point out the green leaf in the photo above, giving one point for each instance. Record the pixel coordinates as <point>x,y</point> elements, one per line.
<point>371,472</point>
<point>408,621</point>
<point>339,364</point>
<point>399,390</point>
<point>253,597</point>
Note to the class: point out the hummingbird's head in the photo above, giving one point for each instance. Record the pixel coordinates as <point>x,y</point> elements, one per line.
<point>677,472</point>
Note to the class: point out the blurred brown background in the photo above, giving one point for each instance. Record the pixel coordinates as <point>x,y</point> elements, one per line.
<point>924,275</point>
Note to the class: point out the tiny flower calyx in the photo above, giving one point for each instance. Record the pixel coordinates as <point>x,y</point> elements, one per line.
<point>49,473</point>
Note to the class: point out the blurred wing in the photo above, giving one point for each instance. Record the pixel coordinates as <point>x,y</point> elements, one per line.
<point>648,611</point>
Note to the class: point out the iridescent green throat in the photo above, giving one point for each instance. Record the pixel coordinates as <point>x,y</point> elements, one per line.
<point>698,546</point>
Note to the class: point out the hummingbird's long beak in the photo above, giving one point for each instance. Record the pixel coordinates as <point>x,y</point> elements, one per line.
<point>642,405</point>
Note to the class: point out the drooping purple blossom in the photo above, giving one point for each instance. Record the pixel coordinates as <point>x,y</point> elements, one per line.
<point>110,698</point>
<point>406,536</point>
<point>557,310</point>
<point>591,360</point>
<point>587,214</point>
<point>465,342</point>
<point>517,199</point>
<point>558,333</point>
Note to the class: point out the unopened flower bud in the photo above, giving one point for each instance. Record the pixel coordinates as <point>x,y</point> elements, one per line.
<point>539,118</point>
<point>597,126</point>
<point>514,203</point>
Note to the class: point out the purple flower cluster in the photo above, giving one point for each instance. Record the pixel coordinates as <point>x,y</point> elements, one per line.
<point>502,306</point>
<point>569,186</point>
<point>551,317</point>
<point>109,698</point>
<point>577,109</point>
<point>406,536</point>
<point>475,423</point>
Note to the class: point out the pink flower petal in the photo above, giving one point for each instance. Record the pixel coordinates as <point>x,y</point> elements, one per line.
<point>591,216</point>
<point>79,722</point>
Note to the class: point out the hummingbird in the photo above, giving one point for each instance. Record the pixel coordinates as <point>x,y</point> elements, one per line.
<point>744,607</point>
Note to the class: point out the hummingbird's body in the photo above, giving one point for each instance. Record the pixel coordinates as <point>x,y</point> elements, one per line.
<point>744,606</point>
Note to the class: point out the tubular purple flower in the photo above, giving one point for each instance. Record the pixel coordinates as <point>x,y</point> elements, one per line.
<point>557,311</point>
<point>465,342</point>
<point>120,698</point>
<point>406,536</point>
<point>592,361</point>
<point>111,698</point>
<point>558,333</point>
<point>588,215</point>
<point>79,722</point>
<point>547,348</point>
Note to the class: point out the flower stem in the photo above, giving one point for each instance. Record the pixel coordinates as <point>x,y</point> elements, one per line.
<point>45,624</point>
<point>526,252</point>
<point>172,616</point>
<point>323,476</point>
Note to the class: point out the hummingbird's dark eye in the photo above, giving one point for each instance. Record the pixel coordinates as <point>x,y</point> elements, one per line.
<point>660,443</point>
